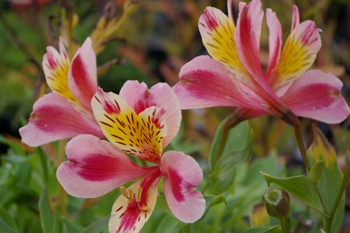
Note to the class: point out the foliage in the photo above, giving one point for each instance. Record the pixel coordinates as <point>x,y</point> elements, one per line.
<point>151,44</point>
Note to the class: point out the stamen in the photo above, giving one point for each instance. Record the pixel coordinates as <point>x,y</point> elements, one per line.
<point>124,191</point>
<point>138,195</point>
<point>131,195</point>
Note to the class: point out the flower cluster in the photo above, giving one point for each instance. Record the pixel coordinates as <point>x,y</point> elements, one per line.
<point>233,75</point>
<point>139,121</point>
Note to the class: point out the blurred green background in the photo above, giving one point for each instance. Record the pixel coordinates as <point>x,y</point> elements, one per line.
<point>152,45</point>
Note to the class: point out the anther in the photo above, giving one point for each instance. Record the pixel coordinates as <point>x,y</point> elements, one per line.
<point>138,194</point>
<point>124,191</point>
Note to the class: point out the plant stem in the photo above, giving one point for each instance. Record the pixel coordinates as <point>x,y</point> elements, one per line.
<point>206,185</point>
<point>299,139</point>
<point>284,224</point>
<point>345,179</point>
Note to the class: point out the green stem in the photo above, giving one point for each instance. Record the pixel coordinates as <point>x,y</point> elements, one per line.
<point>322,202</point>
<point>186,228</point>
<point>206,185</point>
<point>345,179</point>
<point>284,225</point>
<point>299,139</point>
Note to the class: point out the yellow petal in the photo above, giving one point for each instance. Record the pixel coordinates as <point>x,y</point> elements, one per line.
<point>298,54</point>
<point>139,135</point>
<point>217,31</point>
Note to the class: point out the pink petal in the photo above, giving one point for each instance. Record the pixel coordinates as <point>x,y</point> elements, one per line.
<point>247,37</point>
<point>182,175</point>
<point>139,97</point>
<point>130,213</point>
<point>317,95</point>
<point>82,79</point>
<point>298,53</point>
<point>53,118</point>
<point>205,82</point>
<point>275,41</point>
<point>95,167</point>
<point>296,17</point>
<point>229,9</point>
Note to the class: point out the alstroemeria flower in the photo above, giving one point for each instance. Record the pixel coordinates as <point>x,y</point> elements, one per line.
<point>66,111</point>
<point>141,122</point>
<point>233,75</point>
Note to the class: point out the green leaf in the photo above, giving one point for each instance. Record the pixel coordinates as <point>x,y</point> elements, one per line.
<point>212,200</point>
<point>46,217</point>
<point>274,229</point>
<point>167,224</point>
<point>13,145</point>
<point>238,140</point>
<point>237,150</point>
<point>97,226</point>
<point>331,177</point>
<point>57,223</point>
<point>5,228</point>
<point>4,216</point>
<point>162,205</point>
<point>316,171</point>
<point>299,186</point>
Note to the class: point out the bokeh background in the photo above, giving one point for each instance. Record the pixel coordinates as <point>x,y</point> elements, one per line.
<point>151,46</point>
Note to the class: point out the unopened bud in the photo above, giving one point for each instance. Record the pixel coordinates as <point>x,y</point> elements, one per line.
<point>277,203</point>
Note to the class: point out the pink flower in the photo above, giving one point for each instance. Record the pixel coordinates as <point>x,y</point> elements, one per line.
<point>66,111</point>
<point>142,123</point>
<point>234,77</point>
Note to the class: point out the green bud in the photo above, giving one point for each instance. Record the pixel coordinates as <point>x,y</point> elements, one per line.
<point>277,203</point>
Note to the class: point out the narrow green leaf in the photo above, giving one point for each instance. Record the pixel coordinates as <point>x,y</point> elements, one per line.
<point>97,226</point>
<point>274,229</point>
<point>15,146</point>
<point>46,217</point>
<point>5,228</point>
<point>316,171</point>
<point>57,222</point>
<point>4,216</point>
<point>299,186</point>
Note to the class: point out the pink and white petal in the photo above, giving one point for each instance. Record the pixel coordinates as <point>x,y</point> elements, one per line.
<point>126,215</point>
<point>275,41</point>
<point>95,167</point>
<point>217,32</point>
<point>296,17</point>
<point>298,54</point>
<point>182,174</point>
<point>53,118</point>
<point>136,134</point>
<point>139,97</point>
<point>317,95</point>
<point>247,37</point>
<point>229,10</point>
<point>205,82</point>
<point>82,76</point>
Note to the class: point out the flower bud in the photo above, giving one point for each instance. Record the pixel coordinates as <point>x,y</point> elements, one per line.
<point>277,203</point>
